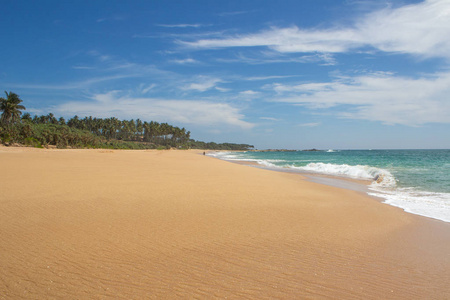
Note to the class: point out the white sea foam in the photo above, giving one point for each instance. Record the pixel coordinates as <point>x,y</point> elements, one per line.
<point>224,155</point>
<point>234,156</point>
<point>428,204</point>
<point>269,163</point>
<point>384,185</point>
<point>380,176</point>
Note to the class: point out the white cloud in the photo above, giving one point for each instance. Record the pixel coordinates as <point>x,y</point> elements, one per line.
<point>185,61</point>
<point>113,18</point>
<point>144,89</point>
<point>83,68</point>
<point>377,97</point>
<point>419,29</point>
<point>324,59</point>
<point>269,118</point>
<point>221,89</point>
<point>309,124</point>
<point>249,93</point>
<point>290,39</point>
<point>195,112</point>
<point>268,77</point>
<point>234,13</point>
<point>367,5</point>
<point>202,84</point>
<point>180,25</point>
<point>306,87</point>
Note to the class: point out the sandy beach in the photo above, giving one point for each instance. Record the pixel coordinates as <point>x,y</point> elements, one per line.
<point>111,224</point>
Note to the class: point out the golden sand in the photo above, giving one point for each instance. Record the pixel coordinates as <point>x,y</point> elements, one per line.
<point>98,224</point>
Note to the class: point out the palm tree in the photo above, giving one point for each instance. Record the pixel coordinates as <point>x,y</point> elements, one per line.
<point>51,119</point>
<point>27,117</point>
<point>10,108</point>
<point>62,121</point>
<point>139,130</point>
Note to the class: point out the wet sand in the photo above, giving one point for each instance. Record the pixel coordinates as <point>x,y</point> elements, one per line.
<point>99,224</point>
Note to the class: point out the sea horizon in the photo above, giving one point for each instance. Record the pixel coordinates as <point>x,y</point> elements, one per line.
<point>343,149</point>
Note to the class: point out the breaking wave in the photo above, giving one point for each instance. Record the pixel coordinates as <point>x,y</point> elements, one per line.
<point>381,177</point>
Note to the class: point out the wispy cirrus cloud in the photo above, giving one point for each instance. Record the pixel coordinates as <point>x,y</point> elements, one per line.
<point>325,59</point>
<point>262,78</point>
<point>222,89</point>
<point>313,124</point>
<point>118,73</point>
<point>235,13</point>
<point>368,5</point>
<point>269,119</point>
<point>379,97</point>
<point>82,84</point>
<point>100,56</point>
<point>184,61</point>
<point>196,112</point>
<point>181,25</point>
<point>248,95</point>
<point>306,87</point>
<point>106,69</point>
<point>202,83</point>
<point>180,35</point>
<point>83,67</point>
<point>144,89</point>
<point>419,29</point>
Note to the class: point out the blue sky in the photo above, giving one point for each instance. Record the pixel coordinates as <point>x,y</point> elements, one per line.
<point>350,74</point>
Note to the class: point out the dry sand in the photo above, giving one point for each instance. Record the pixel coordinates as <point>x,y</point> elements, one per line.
<point>99,224</point>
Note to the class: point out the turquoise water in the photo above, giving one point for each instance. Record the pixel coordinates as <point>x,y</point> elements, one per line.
<point>416,180</point>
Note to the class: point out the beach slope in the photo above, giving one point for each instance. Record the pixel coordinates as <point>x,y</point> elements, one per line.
<point>85,224</point>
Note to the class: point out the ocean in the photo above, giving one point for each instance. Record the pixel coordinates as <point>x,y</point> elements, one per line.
<point>418,181</point>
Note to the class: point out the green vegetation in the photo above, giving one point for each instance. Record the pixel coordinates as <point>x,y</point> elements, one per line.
<point>111,133</point>
<point>214,146</point>
<point>11,108</point>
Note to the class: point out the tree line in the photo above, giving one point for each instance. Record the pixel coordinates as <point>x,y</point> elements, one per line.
<point>93,132</point>
<point>126,130</point>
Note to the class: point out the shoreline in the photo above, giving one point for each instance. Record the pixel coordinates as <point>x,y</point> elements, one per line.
<point>340,181</point>
<point>329,180</point>
<point>177,224</point>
